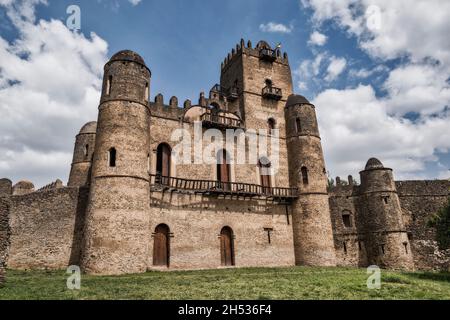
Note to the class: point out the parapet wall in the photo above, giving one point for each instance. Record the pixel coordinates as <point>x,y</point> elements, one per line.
<point>4,236</point>
<point>46,228</point>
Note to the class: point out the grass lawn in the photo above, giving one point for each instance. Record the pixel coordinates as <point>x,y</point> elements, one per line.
<point>247,283</point>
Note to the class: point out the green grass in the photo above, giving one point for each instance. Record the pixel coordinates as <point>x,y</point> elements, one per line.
<point>247,283</point>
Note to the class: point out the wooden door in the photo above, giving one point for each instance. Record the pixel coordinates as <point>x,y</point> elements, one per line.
<point>223,171</point>
<point>161,246</point>
<point>163,162</point>
<point>227,247</point>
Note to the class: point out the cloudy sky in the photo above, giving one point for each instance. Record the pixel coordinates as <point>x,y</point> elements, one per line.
<point>378,72</point>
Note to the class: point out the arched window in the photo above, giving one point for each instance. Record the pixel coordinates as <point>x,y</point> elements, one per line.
<point>347,219</point>
<point>163,162</point>
<point>223,170</point>
<point>86,150</point>
<point>112,155</point>
<point>298,125</point>
<point>147,91</point>
<point>271,123</point>
<point>227,246</point>
<point>268,83</point>
<point>264,173</point>
<point>305,175</point>
<point>108,85</point>
<point>161,245</point>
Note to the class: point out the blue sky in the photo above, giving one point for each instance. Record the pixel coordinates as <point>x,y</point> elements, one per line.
<point>378,92</point>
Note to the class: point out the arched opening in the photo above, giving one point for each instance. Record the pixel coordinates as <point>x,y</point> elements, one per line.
<point>305,177</point>
<point>86,151</point>
<point>271,124</point>
<point>108,85</point>
<point>163,161</point>
<point>227,246</point>
<point>269,83</point>
<point>112,154</point>
<point>347,219</point>
<point>265,165</point>
<point>223,170</point>
<point>161,245</point>
<point>147,92</point>
<point>298,125</point>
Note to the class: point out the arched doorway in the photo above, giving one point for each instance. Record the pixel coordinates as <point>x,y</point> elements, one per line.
<point>227,247</point>
<point>223,170</point>
<point>265,166</point>
<point>163,159</point>
<point>161,245</point>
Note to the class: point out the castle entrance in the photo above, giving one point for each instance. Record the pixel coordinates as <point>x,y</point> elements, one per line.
<point>227,247</point>
<point>161,246</point>
<point>223,170</point>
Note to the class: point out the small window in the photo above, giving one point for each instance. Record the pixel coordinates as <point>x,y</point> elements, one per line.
<point>147,92</point>
<point>112,157</point>
<point>405,244</point>
<point>269,234</point>
<point>347,219</point>
<point>386,199</point>
<point>345,247</point>
<point>86,150</point>
<point>305,175</point>
<point>382,249</point>
<point>268,83</point>
<point>108,85</point>
<point>271,125</point>
<point>359,245</point>
<point>298,125</point>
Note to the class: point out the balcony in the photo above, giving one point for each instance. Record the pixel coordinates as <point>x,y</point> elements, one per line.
<point>268,55</point>
<point>231,93</point>
<point>213,120</point>
<point>272,93</point>
<point>218,188</point>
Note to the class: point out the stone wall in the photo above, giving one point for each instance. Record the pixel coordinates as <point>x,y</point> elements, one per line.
<point>196,221</point>
<point>4,236</point>
<point>420,200</point>
<point>46,228</point>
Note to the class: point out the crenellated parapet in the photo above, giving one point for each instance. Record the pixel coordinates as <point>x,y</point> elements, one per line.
<point>51,186</point>
<point>262,50</point>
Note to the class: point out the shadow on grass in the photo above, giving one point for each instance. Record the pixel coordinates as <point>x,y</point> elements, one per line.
<point>442,276</point>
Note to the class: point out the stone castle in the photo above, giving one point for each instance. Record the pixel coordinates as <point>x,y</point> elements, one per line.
<point>128,207</point>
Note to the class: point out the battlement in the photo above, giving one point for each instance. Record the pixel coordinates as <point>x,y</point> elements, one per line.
<point>262,50</point>
<point>54,185</point>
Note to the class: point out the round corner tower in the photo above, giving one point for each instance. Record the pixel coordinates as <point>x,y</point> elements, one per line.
<point>313,235</point>
<point>387,242</point>
<point>82,156</point>
<point>116,231</point>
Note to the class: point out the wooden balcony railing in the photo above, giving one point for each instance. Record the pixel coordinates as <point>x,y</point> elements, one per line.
<point>268,55</point>
<point>223,188</point>
<point>272,93</point>
<point>215,120</point>
<point>231,93</point>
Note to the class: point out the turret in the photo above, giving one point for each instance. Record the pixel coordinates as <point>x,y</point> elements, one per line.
<point>313,236</point>
<point>387,241</point>
<point>117,227</point>
<point>82,156</point>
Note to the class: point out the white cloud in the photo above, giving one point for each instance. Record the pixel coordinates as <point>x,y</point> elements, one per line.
<point>356,126</point>
<point>416,34</point>
<point>135,2</point>
<point>50,81</point>
<point>317,39</point>
<point>275,28</point>
<point>335,68</point>
<point>365,73</point>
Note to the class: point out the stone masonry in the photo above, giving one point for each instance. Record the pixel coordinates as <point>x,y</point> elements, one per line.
<point>130,206</point>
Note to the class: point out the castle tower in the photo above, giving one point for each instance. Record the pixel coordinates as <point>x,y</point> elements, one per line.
<point>116,231</point>
<point>387,241</point>
<point>82,156</point>
<point>311,220</point>
<point>261,80</point>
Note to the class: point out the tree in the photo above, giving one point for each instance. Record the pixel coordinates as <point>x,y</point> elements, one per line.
<point>441,222</point>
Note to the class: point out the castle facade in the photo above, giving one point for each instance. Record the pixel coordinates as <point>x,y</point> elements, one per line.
<point>130,205</point>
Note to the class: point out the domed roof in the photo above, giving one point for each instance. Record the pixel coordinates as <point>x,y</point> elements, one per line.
<point>295,99</point>
<point>128,55</point>
<point>90,127</point>
<point>374,163</point>
<point>24,184</point>
<point>263,45</point>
